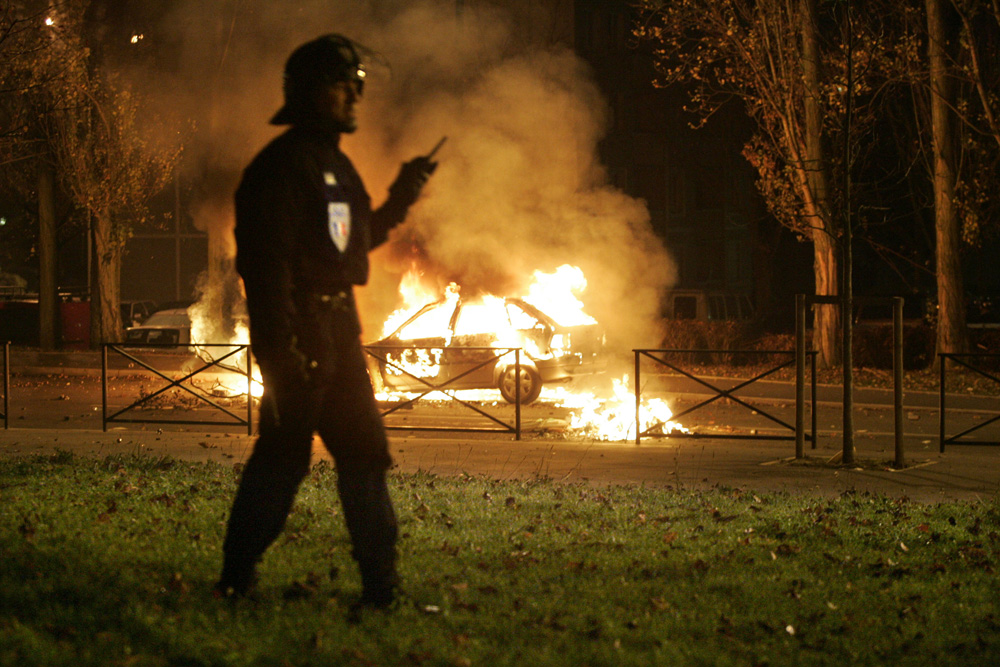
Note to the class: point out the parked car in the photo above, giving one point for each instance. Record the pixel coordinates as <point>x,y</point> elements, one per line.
<point>135,313</point>
<point>878,311</point>
<point>983,312</point>
<point>164,326</point>
<point>551,352</point>
<point>699,304</point>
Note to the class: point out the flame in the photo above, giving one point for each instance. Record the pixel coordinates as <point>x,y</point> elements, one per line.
<point>552,293</point>
<point>415,293</point>
<point>613,419</point>
<point>555,295</point>
<point>232,380</point>
<point>422,363</point>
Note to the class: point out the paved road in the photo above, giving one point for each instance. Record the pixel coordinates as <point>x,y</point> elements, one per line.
<point>59,407</point>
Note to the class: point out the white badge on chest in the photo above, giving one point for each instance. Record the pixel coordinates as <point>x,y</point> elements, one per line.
<point>339,219</point>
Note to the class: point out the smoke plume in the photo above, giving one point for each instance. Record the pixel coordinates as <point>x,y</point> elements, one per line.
<point>518,187</point>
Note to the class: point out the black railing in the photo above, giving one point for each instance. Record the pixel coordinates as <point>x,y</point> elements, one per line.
<point>721,392</point>
<point>381,354</point>
<point>6,384</point>
<point>234,351</point>
<point>959,359</point>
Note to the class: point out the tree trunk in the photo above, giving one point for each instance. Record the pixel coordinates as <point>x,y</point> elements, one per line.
<point>48,297</point>
<point>826,323</point>
<point>951,334</point>
<point>105,311</point>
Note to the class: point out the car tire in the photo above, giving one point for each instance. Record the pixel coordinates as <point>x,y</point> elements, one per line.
<point>531,384</point>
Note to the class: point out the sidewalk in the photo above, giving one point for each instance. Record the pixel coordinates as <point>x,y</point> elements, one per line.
<point>961,473</point>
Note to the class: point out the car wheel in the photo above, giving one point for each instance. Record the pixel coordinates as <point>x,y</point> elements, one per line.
<point>530,380</point>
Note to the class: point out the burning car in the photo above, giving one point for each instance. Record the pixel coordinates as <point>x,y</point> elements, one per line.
<point>458,344</point>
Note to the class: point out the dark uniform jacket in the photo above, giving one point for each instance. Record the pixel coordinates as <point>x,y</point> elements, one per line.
<point>298,199</point>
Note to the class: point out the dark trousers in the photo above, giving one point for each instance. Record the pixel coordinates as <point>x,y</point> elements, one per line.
<point>342,408</point>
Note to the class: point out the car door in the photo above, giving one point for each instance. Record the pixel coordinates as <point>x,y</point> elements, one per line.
<point>415,354</point>
<point>472,356</point>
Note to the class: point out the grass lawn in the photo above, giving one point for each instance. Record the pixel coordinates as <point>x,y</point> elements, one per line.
<point>110,562</point>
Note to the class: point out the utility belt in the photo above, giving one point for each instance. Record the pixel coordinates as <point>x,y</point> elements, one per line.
<point>341,300</point>
<point>328,319</point>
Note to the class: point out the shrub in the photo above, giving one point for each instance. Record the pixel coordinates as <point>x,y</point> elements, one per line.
<point>717,335</point>
<point>873,346</point>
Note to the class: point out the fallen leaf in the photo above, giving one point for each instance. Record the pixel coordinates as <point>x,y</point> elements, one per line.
<point>659,604</point>
<point>787,549</point>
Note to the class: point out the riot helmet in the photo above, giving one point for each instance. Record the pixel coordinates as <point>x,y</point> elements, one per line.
<point>324,60</point>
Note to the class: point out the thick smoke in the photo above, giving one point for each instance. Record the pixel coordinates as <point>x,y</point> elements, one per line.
<point>518,187</point>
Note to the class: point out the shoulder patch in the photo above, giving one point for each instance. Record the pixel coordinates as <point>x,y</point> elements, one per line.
<point>339,222</point>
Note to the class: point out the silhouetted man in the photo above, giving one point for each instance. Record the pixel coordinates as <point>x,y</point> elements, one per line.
<point>304,227</point>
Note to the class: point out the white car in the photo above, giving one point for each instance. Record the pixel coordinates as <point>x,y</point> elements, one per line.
<point>459,355</point>
<point>171,326</point>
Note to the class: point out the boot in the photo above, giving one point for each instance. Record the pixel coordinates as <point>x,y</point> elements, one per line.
<point>238,580</point>
<point>379,586</point>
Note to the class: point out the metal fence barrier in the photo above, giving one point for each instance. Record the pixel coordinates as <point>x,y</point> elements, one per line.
<point>381,354</point>
<point>719,392</point>
<point>942,412</point>
<point>802,302</point>
<point>6,385</point>
<point>234,350</point>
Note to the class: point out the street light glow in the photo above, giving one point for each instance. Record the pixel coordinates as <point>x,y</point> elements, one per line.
<point>49,21</point>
